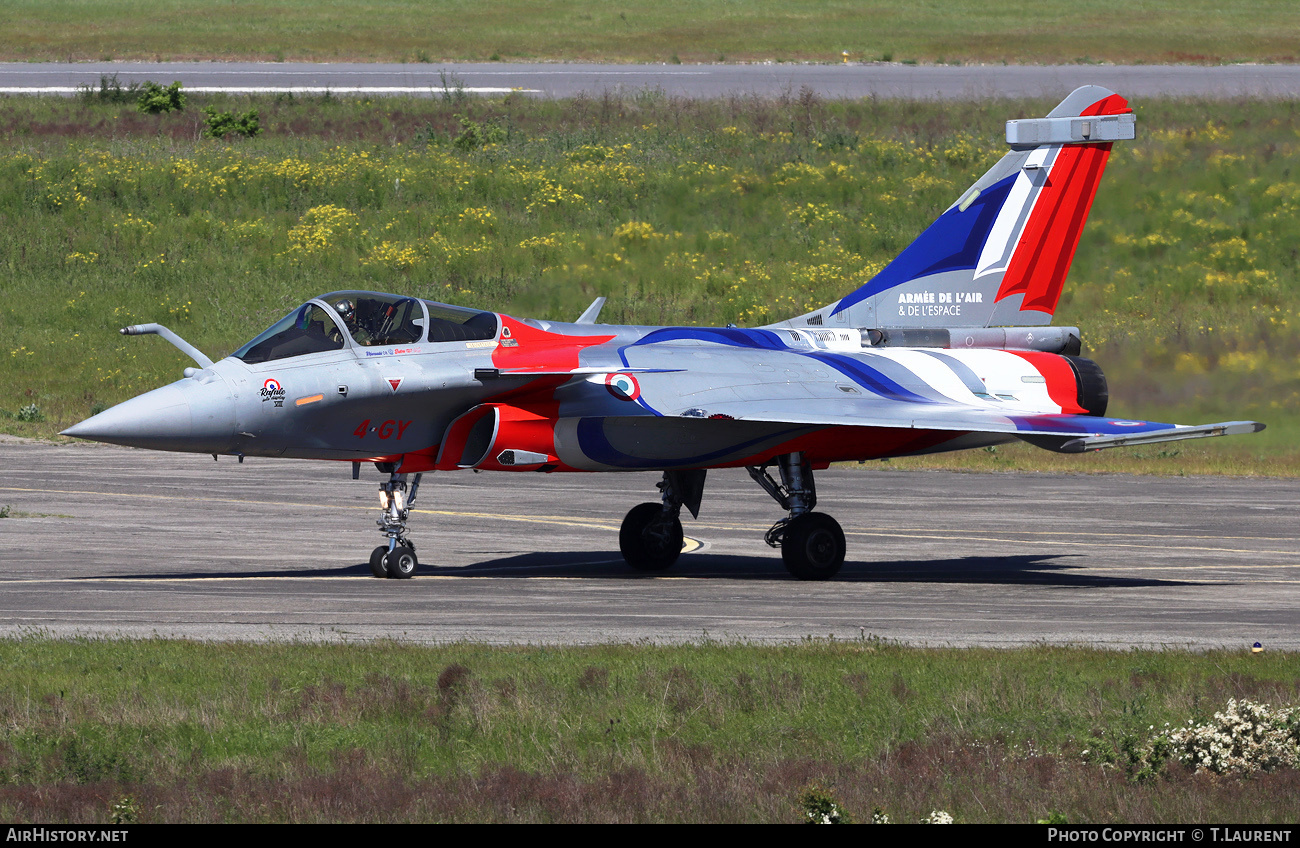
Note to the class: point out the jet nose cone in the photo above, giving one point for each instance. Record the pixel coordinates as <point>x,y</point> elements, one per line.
<point>185,416</point>
<point>163,414</point>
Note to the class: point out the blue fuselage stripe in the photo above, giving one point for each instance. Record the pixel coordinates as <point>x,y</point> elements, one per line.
<point>595,445</point>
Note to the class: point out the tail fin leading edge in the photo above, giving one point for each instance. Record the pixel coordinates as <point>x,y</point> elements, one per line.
<point>999,255</point>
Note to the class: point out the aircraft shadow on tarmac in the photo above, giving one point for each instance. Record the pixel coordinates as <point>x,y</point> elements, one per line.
<point>1035,569</point>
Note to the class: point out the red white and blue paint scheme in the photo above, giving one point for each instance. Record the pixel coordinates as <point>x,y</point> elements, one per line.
<point>947,348</point>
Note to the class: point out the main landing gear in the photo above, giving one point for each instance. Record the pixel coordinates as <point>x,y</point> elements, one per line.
<point>651,536</point>
<point>812,543</point>
<point>397,558</point>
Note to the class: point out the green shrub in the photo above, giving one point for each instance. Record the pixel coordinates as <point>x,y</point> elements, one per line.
<point>222,124</point>
<point>125,811</point>
<point>819,807</point>
<point>474,134</point>
<point>154,99</point>
<point>30,412</point>
<point>110,91</point>
<point>453,88</point>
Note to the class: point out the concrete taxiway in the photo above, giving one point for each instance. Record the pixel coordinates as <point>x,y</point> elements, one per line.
<point>880,80</point>
<point>118,542</point>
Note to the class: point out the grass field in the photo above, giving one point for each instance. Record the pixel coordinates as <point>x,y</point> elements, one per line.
<point>1045,31</point>
<point>176,731</point>
<point>739,210</point>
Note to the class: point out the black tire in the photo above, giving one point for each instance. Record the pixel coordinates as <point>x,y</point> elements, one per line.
<point>647,542</point>
<point>377,561</point>
<point>813,546</point>
<point>401,562</point>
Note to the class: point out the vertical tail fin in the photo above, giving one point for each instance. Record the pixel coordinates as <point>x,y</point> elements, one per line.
<point>999,255</point>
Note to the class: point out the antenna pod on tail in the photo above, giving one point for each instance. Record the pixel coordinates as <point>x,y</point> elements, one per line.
<point>998,256</point>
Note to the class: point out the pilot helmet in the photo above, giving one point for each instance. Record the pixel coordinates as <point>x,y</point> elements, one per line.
<point>345,308</point>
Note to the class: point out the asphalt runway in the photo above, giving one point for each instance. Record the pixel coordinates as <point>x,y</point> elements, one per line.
<point>117,542</point>
<point>887,81</point>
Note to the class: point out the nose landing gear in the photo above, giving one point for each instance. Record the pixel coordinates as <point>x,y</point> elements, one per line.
<point>397,558</point>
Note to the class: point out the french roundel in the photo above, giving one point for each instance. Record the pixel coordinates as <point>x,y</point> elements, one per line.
<point>623,386</point>
<point>272,384</point>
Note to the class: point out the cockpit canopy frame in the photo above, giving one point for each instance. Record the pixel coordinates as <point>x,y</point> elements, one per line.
<point>353,319</point>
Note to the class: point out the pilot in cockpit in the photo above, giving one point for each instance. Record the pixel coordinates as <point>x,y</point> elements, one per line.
<point>348,312</point>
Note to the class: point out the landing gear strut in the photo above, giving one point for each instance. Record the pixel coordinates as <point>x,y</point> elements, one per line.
<point>812,543</point>
<point>651,536</point>
<point>397,558</point>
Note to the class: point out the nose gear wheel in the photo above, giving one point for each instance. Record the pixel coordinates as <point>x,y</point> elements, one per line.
<point>377,561</point>
<point>400,563</point>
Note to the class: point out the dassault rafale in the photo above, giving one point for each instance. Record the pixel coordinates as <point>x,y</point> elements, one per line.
<point>947,348</point>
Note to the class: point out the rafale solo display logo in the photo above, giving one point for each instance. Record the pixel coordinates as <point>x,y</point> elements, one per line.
<point>273,391</point>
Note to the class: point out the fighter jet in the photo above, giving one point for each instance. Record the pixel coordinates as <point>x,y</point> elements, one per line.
<point>947,348</point>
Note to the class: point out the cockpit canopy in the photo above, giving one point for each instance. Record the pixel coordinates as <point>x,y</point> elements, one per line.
<point>366,319</point>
